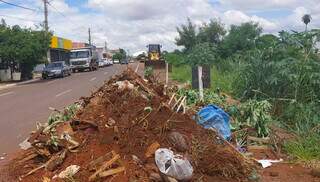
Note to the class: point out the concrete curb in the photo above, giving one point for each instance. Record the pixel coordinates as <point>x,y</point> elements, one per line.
<point>19,83</point>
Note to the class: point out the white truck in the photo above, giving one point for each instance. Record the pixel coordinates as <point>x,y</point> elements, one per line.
<point>84,59</point>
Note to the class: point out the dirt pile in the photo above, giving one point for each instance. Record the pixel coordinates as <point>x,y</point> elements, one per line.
<point>114,135</point>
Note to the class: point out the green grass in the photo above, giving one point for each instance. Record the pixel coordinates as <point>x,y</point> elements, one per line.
<point>305,148</point>
<point>182,73</point>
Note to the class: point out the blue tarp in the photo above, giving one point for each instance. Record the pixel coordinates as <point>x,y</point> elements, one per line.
<point>214,117</point>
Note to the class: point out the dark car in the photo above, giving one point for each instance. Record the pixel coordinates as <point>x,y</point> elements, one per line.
<point>124,61</point>
<point>56,69</point>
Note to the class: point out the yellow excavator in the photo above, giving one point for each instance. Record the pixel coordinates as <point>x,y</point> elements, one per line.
<point>156,62</point>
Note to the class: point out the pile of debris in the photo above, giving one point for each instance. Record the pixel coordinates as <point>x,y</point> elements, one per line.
<point>115,135</point>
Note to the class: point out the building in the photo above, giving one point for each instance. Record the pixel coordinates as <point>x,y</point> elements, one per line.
<point>60,49</point>
<point>76,45</point>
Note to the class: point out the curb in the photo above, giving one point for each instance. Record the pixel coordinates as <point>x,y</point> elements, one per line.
<point>16,84</point>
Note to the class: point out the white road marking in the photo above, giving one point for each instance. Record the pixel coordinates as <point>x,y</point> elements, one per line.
<point>62,93</point>
<point>50,82</point>
<point>7,93</point>
<point>93,79</point>
<point>137,68</point>
<point>105,73</point>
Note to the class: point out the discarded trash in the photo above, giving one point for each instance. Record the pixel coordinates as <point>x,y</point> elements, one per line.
<point>212,116</point>
<point>151,149</point>
<point>173,165</point>
<point>25,145</point>
<point>122,85</point>
<point>69,171</point>
<point>267,162</point>
<point>178,141</point>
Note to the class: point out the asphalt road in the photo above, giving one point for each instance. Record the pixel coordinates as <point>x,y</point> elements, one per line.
<point>21,107</point>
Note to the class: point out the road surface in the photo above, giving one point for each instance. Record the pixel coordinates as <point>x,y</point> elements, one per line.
<point>21,107</point>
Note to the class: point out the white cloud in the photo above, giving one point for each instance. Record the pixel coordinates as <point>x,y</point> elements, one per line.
<point>238,17</point>
<point>132,24</point>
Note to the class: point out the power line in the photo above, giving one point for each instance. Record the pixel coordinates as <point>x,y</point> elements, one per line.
<point>16,5</point>
<point>62,14</point>
<point>19,18</point>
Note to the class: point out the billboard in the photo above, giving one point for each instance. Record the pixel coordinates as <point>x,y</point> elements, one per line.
<point>57,42</point>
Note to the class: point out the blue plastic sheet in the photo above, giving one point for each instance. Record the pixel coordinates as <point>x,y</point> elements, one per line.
<point>214,117</point>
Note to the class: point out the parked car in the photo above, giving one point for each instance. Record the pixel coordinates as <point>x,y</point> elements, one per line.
<point>109,62</point>
<point>102,63</point>
<point>124,61</point>
<point>116,61</point>
<point>56,69</point>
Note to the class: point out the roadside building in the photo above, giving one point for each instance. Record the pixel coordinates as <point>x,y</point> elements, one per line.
<point>60,49</point>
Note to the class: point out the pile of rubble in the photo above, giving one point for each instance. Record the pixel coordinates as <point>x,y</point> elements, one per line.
<point>114,137</point>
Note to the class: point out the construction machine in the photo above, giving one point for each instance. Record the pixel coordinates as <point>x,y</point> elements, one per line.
<point>155,62</point>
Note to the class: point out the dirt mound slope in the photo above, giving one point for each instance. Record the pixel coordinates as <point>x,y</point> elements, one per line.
<point>123,123</point>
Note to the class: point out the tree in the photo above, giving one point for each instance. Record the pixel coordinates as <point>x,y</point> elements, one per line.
<point>24,47</point>
<point>306,20</point>
<point>240,38</point>
<point>201,54</point>
<point>187,36</point>
<point>213,32</point>
<point>266,41</point>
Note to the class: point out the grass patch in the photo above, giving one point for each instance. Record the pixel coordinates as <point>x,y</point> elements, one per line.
<point>305,148</point>
<point>223,81</point>
<point>181,73</point>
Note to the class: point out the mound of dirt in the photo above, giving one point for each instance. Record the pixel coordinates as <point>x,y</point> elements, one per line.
<point>115,133</point>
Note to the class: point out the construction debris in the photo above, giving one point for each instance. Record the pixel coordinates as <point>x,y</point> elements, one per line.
<point>69,172</point>
<point>113,136</point>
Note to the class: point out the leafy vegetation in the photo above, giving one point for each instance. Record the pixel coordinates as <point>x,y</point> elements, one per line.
<point>23,47</point>
<point>65,115</point>
<point>276,77</point>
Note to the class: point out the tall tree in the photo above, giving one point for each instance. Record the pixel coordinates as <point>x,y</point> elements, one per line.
<point>212,32</point>
<point>240,38</point>
<point>187,36</point>
<point>306,19</point>
<point>23,46</point>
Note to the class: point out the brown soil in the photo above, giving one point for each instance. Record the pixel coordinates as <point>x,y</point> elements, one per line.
<point>135,130</point>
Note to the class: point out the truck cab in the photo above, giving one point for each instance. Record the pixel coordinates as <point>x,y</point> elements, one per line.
<point>83,59</point>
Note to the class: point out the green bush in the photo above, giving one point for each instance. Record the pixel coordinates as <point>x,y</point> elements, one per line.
<point>304,149</point>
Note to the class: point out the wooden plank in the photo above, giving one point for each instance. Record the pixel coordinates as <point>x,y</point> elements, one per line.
<point>103,167</point>
<point>111,172</point>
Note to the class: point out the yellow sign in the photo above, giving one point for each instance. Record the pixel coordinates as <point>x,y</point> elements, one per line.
<point>57,42</point>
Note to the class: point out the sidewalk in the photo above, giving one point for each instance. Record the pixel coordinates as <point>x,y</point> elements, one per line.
<point>10,85</point>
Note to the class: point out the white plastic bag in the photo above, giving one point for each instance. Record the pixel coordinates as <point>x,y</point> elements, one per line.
<point>173,165</point>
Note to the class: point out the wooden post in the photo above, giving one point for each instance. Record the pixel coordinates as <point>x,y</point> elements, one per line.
<point>200,82</point>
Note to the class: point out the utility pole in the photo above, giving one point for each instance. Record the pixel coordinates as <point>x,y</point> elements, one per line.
<point>89,36</point>
<point>106,46</point>
<point>46,26</point>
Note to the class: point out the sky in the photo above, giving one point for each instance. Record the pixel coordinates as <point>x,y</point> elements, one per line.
<point>133,24</point>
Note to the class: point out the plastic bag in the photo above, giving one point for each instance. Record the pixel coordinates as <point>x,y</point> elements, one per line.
<point>173,165</point>
<point>212,116</point>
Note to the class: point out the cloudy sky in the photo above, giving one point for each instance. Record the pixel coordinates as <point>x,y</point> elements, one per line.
<point>132,24</point>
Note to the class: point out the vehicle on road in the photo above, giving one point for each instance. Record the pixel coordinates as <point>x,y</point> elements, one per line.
<point>116,61</point>
<point>84,59</point>
<point>56,69</point>
<point>102,63</point>
<point>124,61</point>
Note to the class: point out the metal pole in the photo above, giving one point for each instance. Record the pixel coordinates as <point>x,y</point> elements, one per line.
<point>46,26</point>
<point>89,36</point>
